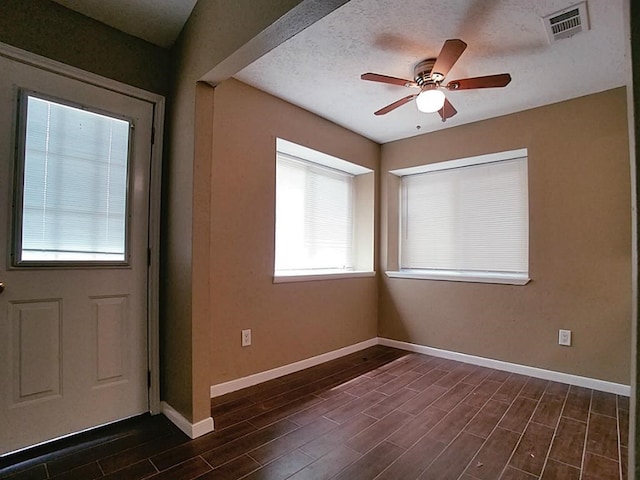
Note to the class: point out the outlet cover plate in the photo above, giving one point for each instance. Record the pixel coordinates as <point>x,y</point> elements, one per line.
<point>246,338</point>
<point>564,337</point>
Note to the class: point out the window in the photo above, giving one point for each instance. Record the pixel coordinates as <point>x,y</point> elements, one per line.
<point>314,218</point>
<point>72,185</point>
<point>319,214</point>
<point>466,219</point>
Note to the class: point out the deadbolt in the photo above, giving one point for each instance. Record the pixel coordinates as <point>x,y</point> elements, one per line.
<point>1,287</point>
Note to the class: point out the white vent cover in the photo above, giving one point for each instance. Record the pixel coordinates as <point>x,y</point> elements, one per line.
<point>567,22</point>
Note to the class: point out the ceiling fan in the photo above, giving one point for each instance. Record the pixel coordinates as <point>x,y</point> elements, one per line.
<point>428,76</point>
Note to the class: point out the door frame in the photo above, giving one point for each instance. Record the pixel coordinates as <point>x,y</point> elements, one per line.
<point>155,184</point>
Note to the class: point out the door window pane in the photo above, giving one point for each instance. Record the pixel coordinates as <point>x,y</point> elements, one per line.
<point>74,174</point>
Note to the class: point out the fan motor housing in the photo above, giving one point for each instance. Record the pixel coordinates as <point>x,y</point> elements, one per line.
<point>423,76</point>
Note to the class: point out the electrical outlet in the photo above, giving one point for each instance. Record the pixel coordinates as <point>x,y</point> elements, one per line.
<point>564,337</point>
<point>246,338</point>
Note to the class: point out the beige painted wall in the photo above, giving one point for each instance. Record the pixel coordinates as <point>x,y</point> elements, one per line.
<point>579,246</point>
<point>632,13</point>
<point>290,321</point>
<point>215,30</point>
<point>220,37</point>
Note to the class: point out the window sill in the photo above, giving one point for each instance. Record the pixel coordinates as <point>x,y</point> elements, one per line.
<point>308,276</point>
<point>454,276</point>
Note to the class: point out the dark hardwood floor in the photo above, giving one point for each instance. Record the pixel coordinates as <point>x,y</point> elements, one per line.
<point>380,413</point>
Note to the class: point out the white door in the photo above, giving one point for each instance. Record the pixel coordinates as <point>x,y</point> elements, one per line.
<point>73,312</point>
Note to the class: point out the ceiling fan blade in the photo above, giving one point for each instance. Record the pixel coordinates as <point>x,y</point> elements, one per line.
<point>490,81</point>
<point>451,51</point>
<point>396,104</point>
<point>447,110</point>
<point>376,77</point>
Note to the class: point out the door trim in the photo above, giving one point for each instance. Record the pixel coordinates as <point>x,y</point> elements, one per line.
<point>153,271</point>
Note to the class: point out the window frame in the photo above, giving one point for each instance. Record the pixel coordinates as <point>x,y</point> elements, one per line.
<point>307,155</point>
<point>16,262</point>
<point>509,278</point>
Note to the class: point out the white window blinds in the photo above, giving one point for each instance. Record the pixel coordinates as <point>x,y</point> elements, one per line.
<point>314,217</point>
<point>74,192</point>
<point>470,219</point>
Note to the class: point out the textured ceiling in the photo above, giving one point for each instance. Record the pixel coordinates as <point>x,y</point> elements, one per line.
<point>156,21</point>
<point>319,69</point>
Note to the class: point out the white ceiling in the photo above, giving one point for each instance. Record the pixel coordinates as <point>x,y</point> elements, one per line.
<point>319,69</point>
<point>156,21</point>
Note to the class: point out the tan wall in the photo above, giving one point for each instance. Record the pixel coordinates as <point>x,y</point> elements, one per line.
<point>215,30</point>
<point>290,321</point>
<point>579,246</point>
<point>220,38</point>
<point>53,31</point>
<point>632,16</point>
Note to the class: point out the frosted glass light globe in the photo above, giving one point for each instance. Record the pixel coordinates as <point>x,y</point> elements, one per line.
<point>430,101</point>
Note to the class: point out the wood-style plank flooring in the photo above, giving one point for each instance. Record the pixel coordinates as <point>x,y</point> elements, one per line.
<point>380,413</point>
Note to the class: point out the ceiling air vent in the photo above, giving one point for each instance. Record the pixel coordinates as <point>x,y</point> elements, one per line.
<point>566,23</point>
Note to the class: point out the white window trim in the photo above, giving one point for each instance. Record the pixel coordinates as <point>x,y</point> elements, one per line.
<point>306,154</point>
<point>308,276</point>
<point>461,162</point>
<point>461,276</point>
<point>504,278</point>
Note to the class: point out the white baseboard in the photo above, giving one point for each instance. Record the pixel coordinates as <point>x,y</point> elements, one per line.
<point>240,383</point>
<point>595,384</point>
<point>233,385</point>
<point>192,430</point>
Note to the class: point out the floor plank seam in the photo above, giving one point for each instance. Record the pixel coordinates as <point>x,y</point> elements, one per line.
<point>555,432</point>
<point>454,439</point>
<point>205,461</point>
<point>522,471</point>
<point>154,465</point>
<point>586,436</point>
<point>517,445</point>
<point>101,469</point>
<point>619,437</point>
<point>496,426</point>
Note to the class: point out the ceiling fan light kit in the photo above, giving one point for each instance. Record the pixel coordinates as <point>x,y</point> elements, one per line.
<point>430,101</point>
<point>428,76</point>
